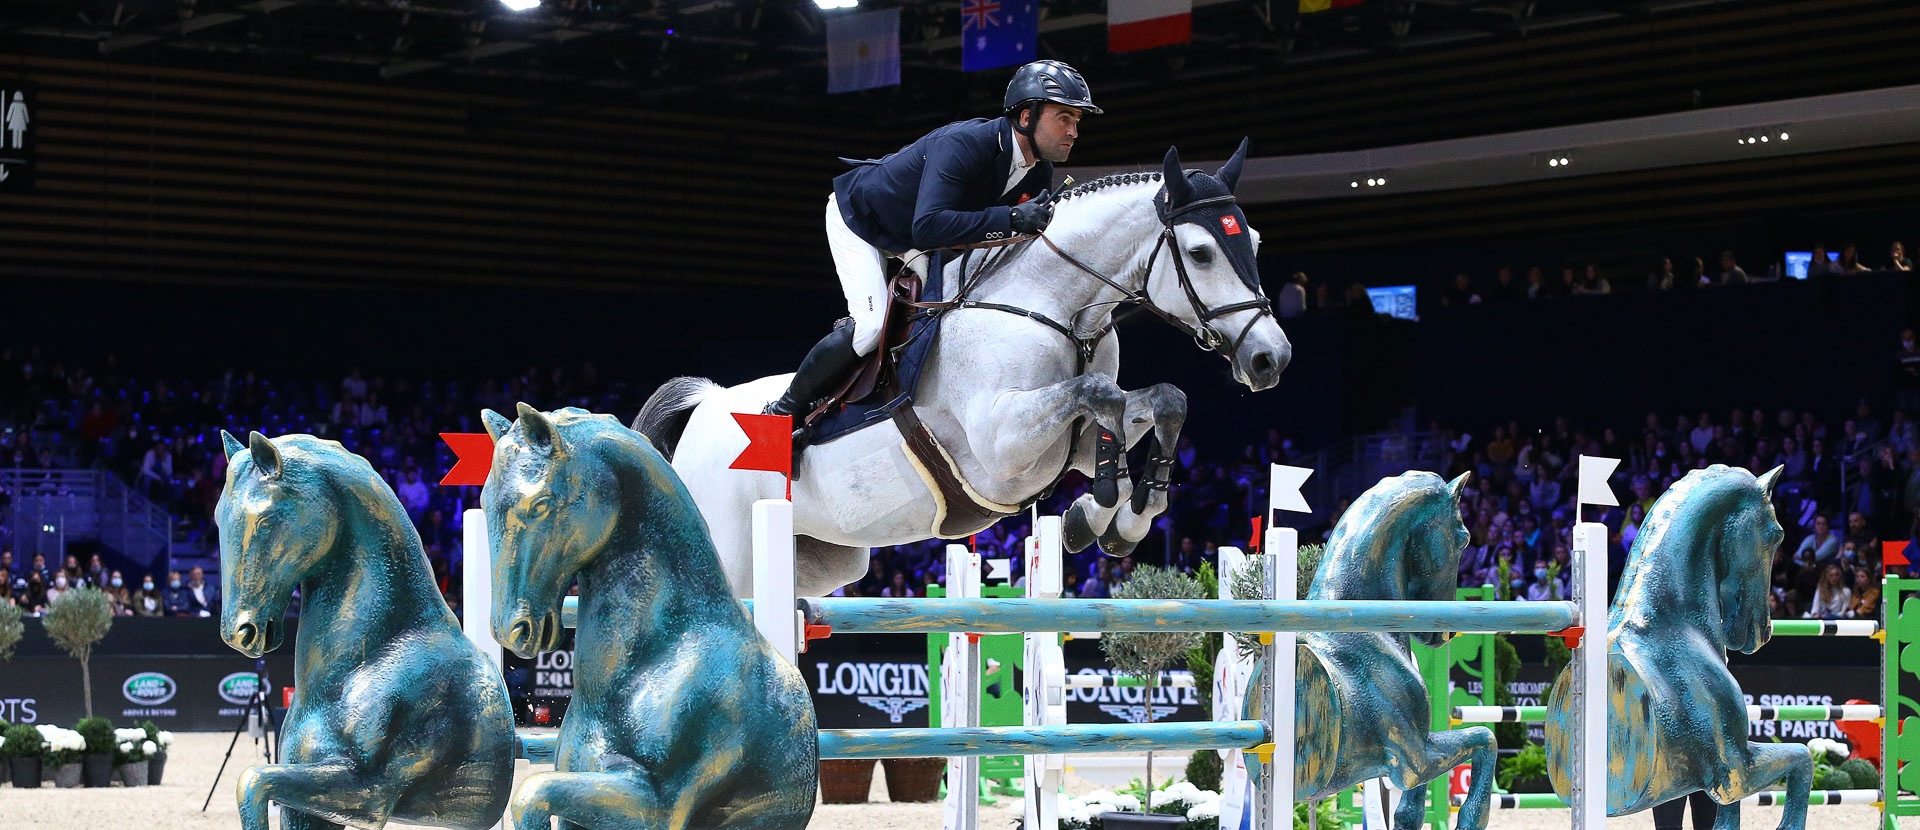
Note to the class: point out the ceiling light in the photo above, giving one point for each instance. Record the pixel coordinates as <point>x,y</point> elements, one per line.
<point>520,5</point>
<point>1783,136</point>
<point>826,5</point>
<point>1563,161</point>
<point>1553,162</point>
<point>1383,180</point>
<point>1353,184</point>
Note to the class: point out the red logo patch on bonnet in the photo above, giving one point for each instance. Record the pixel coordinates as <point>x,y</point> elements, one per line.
<point>1230,224</point>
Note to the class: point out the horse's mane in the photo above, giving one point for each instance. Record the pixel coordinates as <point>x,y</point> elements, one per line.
<point>1105,182</point>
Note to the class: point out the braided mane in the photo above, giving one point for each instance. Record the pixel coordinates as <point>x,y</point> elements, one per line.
<point>1107,181</point>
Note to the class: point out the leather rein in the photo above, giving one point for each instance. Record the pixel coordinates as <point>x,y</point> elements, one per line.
<point>1204,335</point>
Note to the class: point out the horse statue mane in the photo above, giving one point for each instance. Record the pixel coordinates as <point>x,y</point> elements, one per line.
<point>682,713</point>
<point>399,717</point>
<point>1695,586</point>
<point>1378,550</point>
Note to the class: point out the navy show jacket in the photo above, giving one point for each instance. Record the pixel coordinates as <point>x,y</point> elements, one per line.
<point>948,188</point>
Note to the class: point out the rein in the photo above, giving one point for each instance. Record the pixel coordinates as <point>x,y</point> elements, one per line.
<point>1204,334</point>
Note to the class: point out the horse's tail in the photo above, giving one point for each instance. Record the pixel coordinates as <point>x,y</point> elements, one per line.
<point>665,414</point>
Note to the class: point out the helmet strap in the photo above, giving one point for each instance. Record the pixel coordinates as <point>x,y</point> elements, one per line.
<point>1033,107</point>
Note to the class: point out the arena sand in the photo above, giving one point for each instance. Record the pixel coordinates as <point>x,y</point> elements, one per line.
<point>196,756</point>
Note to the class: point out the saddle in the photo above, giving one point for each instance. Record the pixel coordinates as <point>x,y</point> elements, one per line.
<point>876,377</point>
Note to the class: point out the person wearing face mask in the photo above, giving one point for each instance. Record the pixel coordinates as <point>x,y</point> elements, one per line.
<point>60,586</point>
<point>116,590</point>
<point>1543,589</point>
<point>33,598</point>
<point>176,598</point>
<point>147,601</point>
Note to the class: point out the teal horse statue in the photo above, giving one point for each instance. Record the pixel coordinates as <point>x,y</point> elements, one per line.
<point>1361,709</point>
<point>398,716</point>
<point>682,715</point>
<point>1695,586</point>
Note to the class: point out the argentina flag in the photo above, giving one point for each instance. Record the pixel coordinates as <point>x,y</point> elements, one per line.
<point>996,33</point>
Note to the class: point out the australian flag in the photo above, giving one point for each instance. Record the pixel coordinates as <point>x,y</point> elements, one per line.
<point>996,33</point>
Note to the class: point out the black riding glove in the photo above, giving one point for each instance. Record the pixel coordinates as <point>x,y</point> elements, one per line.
<point>1032,216</point>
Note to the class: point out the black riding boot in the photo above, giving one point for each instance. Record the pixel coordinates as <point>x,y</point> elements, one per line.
<point>827,362</point>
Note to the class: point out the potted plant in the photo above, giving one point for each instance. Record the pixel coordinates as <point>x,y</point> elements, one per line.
<point>76,621</point>
<point>97,734</point>
<point>22,747</point>
<point>1145,655</point>
<point>914,779</point>
<point>845,780</point>
<point>157,760</point>
<point>130,754</point>
<point>61,751</point>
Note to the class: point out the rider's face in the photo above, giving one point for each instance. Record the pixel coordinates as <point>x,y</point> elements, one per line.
<point>1053,137</point>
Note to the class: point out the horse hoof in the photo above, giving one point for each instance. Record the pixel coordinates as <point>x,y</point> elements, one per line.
<point>1075,533</point>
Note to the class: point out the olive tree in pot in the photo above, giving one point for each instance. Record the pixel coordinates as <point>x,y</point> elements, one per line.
<point>1145,655</point>
<point>76,621</point>
<point>22,747</point>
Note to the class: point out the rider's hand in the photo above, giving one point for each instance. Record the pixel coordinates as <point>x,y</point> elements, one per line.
<point>1032,216</point>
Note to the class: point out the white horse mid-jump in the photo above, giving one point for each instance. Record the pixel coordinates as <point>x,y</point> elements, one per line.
<point>1017,390</point>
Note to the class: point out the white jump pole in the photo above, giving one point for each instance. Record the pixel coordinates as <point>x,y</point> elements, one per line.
<point>476,587</point>
<point>1231,672</point>
<point>960,693</point>
<point>1589,687</point>
<point>1044,698</point>
<point>776,612</point>
<point>1274,790</point>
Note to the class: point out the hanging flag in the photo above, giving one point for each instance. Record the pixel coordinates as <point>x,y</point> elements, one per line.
<point>1146,24</point>
<point>996,33</point>
<point>1311,6</point>
<point>473,457</point>
<point>863,50</point>
<point>1594,472</point>
<point>769,443</point>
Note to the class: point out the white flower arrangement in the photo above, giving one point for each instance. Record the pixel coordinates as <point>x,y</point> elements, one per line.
<point>61,740</point>
<point>148,747</point>
<point>1834,750</point>
<point>125,735</point>
<point>166,739</point>
<point>1204,810</point>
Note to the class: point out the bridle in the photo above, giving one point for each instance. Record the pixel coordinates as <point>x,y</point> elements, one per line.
<point>1204,333</point>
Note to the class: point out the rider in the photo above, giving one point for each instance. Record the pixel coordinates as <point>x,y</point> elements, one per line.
<point>967,182</point>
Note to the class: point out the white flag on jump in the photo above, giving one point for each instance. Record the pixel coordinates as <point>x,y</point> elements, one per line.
<point>1283,490</point>
<point>1594,472</point>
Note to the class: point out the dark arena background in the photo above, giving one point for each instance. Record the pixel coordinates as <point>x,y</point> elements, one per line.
<point>1498,235</point>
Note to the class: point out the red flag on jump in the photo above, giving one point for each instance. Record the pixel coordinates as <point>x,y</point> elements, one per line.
<point>1894,553</point>
<point>769,443</point>
<point>473,453</point>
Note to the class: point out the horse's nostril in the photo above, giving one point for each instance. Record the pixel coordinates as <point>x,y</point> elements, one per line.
<point>246,634</point>
<point>1264,363</point>
<point>521,632</point>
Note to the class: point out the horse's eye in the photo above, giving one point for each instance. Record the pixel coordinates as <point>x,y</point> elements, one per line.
<point>541,506</point>
<point>1201,255</point>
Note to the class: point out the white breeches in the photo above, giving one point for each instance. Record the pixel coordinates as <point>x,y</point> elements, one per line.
<point>863,277</point>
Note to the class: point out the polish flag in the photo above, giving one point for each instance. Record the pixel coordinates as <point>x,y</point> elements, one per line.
<point>1145,24</point>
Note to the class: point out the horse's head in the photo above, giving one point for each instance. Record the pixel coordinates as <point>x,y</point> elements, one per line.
<point>278,520</point>
<point>1748,533</point>
<point>1401,539</point>
<point>1209,279</point>
<point>551,506</point>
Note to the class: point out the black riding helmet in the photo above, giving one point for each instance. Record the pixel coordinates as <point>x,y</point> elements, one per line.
<point>1045,82</point>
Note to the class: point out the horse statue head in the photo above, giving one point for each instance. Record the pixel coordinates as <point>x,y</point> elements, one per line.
<point>279,519</point>
<point>1703,557</point>
<point>545,467</point>
<point>1194,260</point>
<point>1401,539</point>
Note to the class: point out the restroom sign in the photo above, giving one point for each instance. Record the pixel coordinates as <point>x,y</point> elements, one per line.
<point>17,118</point>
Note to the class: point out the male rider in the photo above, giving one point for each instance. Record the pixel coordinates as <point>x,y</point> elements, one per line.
<point>967,182</point>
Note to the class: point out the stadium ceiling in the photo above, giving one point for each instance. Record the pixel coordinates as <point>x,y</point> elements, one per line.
<point>734,55</point>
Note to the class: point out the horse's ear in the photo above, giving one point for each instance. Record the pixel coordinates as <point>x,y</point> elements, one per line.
<point>1229,173</point>
<point>1179,191</point>
<point>1458,486</point>
<point>233,445</point>
<point>496,424</point>
<point>1769,480</point>
<point>266,456</point>
<point>539,429</point>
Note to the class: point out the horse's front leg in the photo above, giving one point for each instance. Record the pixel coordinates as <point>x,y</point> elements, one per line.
<point>335,791</point>
<point>600,800</point>
<point>1769,764</point>
<point>1119,528</point>
<point>1025,425</point>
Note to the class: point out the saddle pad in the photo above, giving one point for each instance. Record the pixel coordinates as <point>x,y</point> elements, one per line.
<point>912,357</point>
<point>961,512</point>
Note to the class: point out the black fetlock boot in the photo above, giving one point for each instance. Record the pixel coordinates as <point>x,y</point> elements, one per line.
<point>1107,468</point>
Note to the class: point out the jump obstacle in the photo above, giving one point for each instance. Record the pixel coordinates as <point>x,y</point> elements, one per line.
<point>787,620</point>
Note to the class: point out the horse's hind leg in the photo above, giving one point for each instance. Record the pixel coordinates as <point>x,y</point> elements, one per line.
<point>1770,764</point>
<point>1441,752</point>
<point>599,800</point>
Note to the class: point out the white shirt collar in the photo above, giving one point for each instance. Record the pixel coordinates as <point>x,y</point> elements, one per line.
<point>1016,170</point>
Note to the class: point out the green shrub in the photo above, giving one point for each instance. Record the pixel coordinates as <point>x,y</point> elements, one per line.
<point>99,734</point>
<point>21,742</point>
<point>1523,770</point>
<point>1861,773</point>
<point>1204,768</point>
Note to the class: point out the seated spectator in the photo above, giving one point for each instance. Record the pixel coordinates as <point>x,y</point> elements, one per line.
<point>1292,301</point>
<point>1866,597</point>
<point>1860,535</point>
<point>61,585</point>
<point>96,574</point>
<point>176,595</point>
<point>32,597</point>
<point>1536,288</point>
<point>116,590</point>
<point>414,495</point>
<point>147,601</point>
<point>1662,278</point>
<point>1850,260</point>
<point>898,587</point>
<point>1593,283</point>
<point>1897,258</point>
<point>1462,293</point>
<point>7,569</point>
<point>1730,271</point>
<point>1833,598</point>
<point>1630,529</point>
<point>1821,265</point>
<point>1504,288</point>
